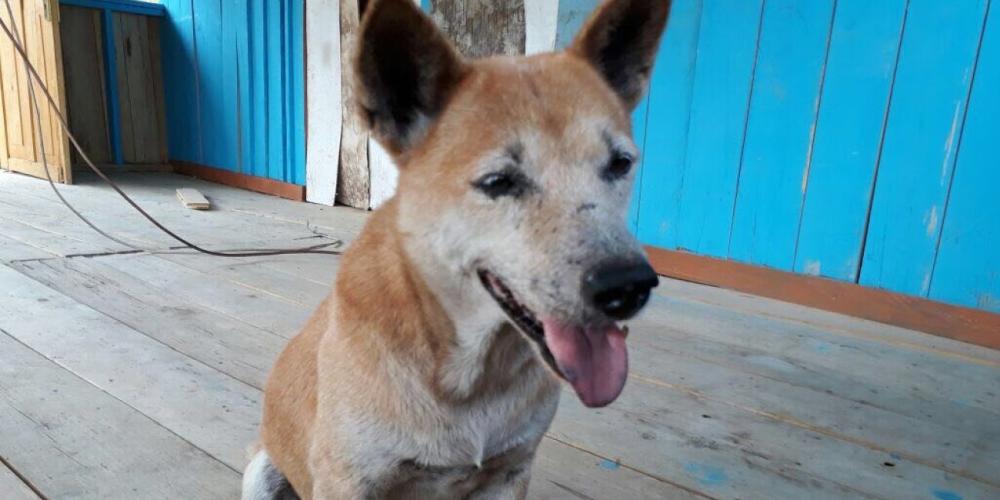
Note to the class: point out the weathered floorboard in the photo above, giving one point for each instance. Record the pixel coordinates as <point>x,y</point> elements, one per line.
<point>13,487</point>
<point>205,407</point>
<point>73,440</point>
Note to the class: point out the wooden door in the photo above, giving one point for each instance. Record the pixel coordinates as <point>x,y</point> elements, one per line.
<point>23,135</point>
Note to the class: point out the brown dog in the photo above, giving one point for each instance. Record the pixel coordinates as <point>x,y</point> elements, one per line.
<point>502,265</point>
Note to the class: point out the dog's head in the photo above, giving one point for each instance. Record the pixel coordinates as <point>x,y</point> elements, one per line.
<point>516,174</point>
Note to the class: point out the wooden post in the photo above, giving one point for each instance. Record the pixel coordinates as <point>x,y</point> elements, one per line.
<point>353,179</point>
<point>482,28</point>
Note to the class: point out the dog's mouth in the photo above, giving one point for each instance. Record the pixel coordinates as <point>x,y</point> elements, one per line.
<point>593,359</point>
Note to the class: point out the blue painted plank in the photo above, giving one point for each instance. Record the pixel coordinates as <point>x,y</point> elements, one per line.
<point>126,6</point>
<point>227,137</point>
<point>572,14</point>
<point>244,81</point>
<point>667,124</point>
<point>783,109</point>
<point>208,56</point>
<point>939,47</point>
<point>275,87</point>
<point>111,86</point>
<point>178,65</point>
<point>968,261</point>
<point>639,117</point>
<point>297,85</point>
<point>859,72</point>
<point>727,48</point>
<point>258,88</point>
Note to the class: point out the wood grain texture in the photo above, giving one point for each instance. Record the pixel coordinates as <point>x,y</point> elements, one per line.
<point>481,28</point>
<point>3,107</point>
<point>324,88</point>
<point>140,91</point>
<point>859,74</point>
<point>51,419</point>
<point>967,269</point>
<point>354,177</point>
<point>968,325</point>
<point>203,406</point>
<point>929,101</point>
<point>24,132</point>
<point>86,96</point>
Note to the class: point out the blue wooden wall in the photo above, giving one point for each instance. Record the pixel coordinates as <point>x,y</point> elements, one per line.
<point>850,139</point>
<point>235,82</point>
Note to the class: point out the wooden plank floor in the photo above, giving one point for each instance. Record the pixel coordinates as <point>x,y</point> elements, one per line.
<point>130,374</point>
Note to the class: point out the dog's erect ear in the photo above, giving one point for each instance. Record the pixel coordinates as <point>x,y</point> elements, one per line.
<point>620,40</point>
<point>406,71</point>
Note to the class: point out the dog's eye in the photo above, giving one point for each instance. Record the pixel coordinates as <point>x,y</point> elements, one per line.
<point>497,184</point>
<point>617,167</point>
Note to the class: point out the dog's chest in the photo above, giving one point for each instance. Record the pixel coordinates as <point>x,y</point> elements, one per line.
<point>462,458</point>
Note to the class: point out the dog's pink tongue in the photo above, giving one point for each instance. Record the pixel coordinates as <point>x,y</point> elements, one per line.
<point>594,361</point>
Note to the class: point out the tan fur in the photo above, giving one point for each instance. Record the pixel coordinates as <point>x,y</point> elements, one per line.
<point>407,381</point>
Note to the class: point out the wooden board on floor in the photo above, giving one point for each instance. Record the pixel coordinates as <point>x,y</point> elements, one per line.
<point>562,472</point>
<point>234,347</point>
<point>13,487</point>
<point>201,405</point>
<point>71,439</point>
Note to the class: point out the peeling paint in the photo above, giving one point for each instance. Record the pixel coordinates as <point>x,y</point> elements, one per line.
<point>812,267</point>
<point>609,465</point>
<point>949,142</point>
<point>932,221</point>
<point>946,495</point>
<point>707,475</point>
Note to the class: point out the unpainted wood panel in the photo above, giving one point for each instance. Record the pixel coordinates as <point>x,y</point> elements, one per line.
<point>24,132</point>
<point>666,136</point>
<point>86,98</point>
<point>17,108</point>
<point>43,46</point>
<point>727,49</point>
<point>924,128</point>
<point>849,131</point>
<point>779,134</point>
<point>3,116</point>
<point>139,89</point>
<point>967,271</point>
<point>354,178</point>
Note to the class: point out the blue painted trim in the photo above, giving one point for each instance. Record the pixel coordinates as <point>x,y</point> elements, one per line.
<point>128,6</point>
<point>111,86</point>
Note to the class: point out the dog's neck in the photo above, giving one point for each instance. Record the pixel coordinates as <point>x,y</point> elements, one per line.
<point>465,346</point>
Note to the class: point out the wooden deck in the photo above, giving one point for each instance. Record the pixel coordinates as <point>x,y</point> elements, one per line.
<point>138,375</point>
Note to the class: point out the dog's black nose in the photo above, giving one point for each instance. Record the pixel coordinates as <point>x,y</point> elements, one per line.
<point>619,289</point>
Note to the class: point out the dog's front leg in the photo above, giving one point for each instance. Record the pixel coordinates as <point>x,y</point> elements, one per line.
<point>335,479</point>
